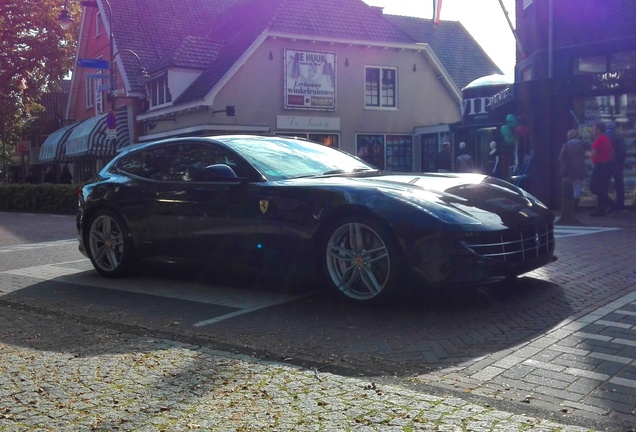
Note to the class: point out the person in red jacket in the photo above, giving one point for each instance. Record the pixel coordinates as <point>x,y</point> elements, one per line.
<point>602,157</point>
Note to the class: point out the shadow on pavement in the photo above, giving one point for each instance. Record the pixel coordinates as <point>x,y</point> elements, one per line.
<point>417,334</point>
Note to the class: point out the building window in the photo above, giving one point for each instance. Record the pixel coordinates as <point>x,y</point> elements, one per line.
<point>380,87</point>
<point>610,63</point>
<point>98,24</point>
<point>329,140</point>
<point>388,152</point>
<point>158,91</point>
<point>90,89</point>
<point>370,148</point>
<point>526,74</point>
<point>621,110</point>
<point>399,153</point>
<point>623,61</point>
<point>594,64</point>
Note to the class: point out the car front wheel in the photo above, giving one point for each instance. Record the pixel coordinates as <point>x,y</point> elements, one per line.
<point>110,248</point>
<point>361,260</point>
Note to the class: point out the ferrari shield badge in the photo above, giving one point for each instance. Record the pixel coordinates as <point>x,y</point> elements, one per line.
<point>263,205</point>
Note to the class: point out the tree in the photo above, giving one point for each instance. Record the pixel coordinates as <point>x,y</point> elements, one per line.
<point>35,54</point>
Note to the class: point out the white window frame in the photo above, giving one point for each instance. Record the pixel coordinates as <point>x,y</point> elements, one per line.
<point>381,88</point>
<point>154,87</point>
<point>90,88</point>
<point>98,24</point>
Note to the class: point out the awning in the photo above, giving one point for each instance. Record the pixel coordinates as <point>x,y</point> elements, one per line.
<point>89,138</point>
<point>53,148</point>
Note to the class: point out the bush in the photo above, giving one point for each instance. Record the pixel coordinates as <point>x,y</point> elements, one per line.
<point>45,198</point>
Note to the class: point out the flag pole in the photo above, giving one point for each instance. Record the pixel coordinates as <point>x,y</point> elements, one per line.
<point>512,28</point>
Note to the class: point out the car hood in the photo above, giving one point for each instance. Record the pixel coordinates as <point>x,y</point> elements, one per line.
<point>486,199</point>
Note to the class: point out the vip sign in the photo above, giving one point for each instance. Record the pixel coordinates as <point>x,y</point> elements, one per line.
<point>310,80</point>
<point>476,106</point>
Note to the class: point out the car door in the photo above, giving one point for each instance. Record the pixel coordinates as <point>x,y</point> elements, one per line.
<point>197,215</point>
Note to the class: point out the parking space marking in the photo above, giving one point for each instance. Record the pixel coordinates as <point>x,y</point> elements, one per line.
<point>30,246</point>
<point>571,231</point>
<point>81,272</point>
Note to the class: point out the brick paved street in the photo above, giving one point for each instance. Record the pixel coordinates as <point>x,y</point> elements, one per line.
<point>59,375</point>
<point>555,353</point>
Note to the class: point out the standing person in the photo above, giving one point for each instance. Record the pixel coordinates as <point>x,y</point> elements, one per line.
<point>31,178</point>
<point>572,163</point>
<point>464,161</point>
<point>443,161</point>
<point>49,176</point>
<point>601,156</point>
<point>618,146</point>
<point>495,161</point>
<point>65,176</point>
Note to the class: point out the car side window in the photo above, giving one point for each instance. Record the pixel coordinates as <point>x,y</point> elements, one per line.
<point>183,162</point>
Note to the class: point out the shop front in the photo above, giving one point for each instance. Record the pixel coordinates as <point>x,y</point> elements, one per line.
<point>488,115</point>
<point>552,107</point>
<point>608,97</point>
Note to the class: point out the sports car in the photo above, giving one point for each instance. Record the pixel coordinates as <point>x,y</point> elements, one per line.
<point>272,204</point>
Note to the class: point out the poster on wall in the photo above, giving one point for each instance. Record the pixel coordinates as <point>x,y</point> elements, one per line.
<point>310,80</point>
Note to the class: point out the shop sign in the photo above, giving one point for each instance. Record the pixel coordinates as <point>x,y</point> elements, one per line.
<point>22,146</point>
<point>307,123</point>
<point>310,80</point>
<point>500,98</point>
<point>617,80</point>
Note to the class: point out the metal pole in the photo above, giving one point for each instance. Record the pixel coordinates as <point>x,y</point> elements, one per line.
<point>112,57</point>
<point>111,71</point>
<point>512,28</point>
<point>4,142</point>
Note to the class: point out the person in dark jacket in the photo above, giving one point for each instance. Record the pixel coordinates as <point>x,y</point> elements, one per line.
<point>65,176</point>
<point>572,163</point>
<point>618,162</point>
<point>49,176</point>
<point>31,178</point>
<point>443,161</point>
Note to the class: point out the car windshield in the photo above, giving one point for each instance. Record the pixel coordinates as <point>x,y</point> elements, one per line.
<point>279,158</point>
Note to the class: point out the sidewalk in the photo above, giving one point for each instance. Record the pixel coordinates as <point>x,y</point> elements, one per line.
<point>61,375</point>
<point>618,219</point>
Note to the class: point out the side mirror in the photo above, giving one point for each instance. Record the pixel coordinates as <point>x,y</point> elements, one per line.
<point>219,171</point>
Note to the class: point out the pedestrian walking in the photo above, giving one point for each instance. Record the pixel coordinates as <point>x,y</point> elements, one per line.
<point>618,162</point>
<point>65,176</point>
<point>443,161</point>
<point>464,160</point>
<point>601,156</point>
<point>572,163</point>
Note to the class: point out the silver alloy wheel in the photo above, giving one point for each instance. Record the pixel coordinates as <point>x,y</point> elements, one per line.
<point>106,243</point>
<point>358,261</point>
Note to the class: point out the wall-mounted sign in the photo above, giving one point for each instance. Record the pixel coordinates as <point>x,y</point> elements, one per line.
<point>93,63</point>
<point>310,80</point>
<point>307,123</point>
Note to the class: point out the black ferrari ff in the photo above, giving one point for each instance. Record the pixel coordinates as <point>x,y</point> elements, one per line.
<point>272,203</point>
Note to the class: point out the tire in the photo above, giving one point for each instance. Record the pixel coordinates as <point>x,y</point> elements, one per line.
<point>361,260</point>
<point>109,244</point>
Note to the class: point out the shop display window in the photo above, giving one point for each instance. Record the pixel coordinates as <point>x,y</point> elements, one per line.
<point>330,140</point>
<point>388,152</point>
<point>620,109</point>
<point>370,148</point>
<point>399,153</point>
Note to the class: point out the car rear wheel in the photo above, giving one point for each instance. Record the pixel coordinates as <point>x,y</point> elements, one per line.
<point>110,247</point>
<point>361,260</point>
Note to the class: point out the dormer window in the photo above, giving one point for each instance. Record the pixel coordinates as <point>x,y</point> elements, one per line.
<point>158,91</point>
